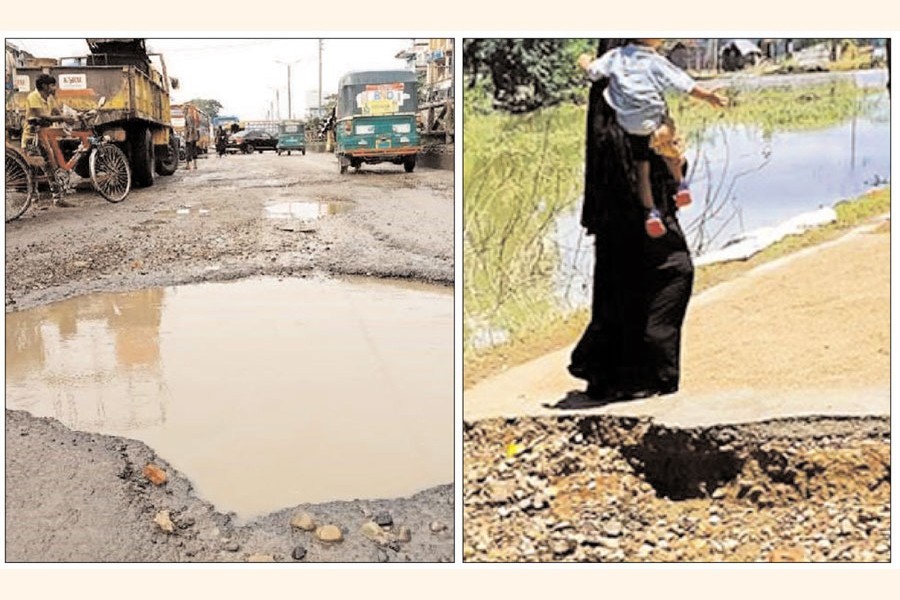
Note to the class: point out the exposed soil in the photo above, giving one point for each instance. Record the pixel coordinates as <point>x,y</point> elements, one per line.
<point>81,496</point>
<point>707,474</point>
<point>609,489</point>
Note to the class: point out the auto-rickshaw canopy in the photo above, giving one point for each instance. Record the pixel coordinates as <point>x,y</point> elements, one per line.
<point>290,127</point>
<point>375,93</point>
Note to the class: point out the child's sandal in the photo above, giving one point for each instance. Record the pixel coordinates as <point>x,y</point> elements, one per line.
<point>683,196</point>
<point>654,225</point>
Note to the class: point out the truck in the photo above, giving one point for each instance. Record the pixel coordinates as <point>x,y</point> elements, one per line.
<point>137,113</point>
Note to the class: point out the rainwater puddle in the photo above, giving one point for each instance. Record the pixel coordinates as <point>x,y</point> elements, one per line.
<point>188,210</point>
<point>265,393</point>
<point>305,210</point>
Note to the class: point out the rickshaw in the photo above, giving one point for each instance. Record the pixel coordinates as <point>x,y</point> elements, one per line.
<point>291,136</point>
<point>375,119</point>
<point>73,152</point>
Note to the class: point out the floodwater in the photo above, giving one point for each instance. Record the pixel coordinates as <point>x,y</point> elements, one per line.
<point>265,393</point>
<point>757,180</point>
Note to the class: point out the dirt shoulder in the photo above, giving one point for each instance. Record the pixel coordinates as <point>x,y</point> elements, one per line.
<point>807,334</point>
<point>78,496</point>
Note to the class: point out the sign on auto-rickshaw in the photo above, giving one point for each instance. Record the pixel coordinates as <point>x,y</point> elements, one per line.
<point>382,99</point>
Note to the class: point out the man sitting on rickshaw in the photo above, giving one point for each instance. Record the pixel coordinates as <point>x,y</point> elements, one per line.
<point>41,107</point>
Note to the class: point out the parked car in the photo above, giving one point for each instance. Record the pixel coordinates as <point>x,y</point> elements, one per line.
<point>252,140</point>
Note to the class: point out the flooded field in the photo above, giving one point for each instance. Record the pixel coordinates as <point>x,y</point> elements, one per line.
<point>770,158</point>
<point>265,393</point>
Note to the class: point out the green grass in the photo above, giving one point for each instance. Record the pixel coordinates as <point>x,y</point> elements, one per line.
<point>522,172</point>
<point>773,109</point>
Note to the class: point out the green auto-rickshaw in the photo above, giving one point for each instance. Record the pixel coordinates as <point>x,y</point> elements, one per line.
<point>375,119</point>
<point>291,136</point>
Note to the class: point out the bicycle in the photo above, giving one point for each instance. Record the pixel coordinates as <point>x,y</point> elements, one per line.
<point>55,154</point>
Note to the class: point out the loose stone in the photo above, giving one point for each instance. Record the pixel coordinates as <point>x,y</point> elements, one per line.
<point>303,521</point>
<point>164,521</point>
<point>260,558</point>
<point>329,533</point>
<point>562,547</point>
<point>613,529</point>
<point>383,519</point>
<point>404,534</point>
<point>372,531</point>
<point>437,527</point>
<point>156,475</point>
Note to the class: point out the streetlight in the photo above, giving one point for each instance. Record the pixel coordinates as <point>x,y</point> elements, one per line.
<point>276,114</point>
<point>288,64</point>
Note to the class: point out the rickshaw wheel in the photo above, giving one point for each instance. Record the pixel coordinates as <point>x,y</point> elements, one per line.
<point>110,173</point>
<point>19,186</point>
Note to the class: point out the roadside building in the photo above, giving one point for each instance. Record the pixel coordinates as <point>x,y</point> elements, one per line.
<point>739,54</point>
<point>433,61</point>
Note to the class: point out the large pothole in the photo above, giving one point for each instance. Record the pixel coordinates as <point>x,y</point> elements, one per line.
<point>617,489</point>
<point>265,393</point>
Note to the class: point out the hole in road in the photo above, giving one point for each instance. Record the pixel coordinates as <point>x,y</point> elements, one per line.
<point>305,210</point>
<point>265,393</point>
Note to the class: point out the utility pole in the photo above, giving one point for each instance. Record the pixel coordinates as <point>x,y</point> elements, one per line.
<point>289,63</point>
<point>319,108</point>
<point>276,114</point>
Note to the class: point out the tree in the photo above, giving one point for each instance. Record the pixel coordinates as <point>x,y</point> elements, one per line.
<point>209,106</point>
<point>527,74</point>
<point>314,124</point>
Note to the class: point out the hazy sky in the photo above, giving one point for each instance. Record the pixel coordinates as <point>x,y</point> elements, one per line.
<point>243,74</point>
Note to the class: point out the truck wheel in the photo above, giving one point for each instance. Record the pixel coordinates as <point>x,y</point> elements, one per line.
<point>409,164</point>
<point>141,148</point>
<point>303,152</point>
<point>167,158</point>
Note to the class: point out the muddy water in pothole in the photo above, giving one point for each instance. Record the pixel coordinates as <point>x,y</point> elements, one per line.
<point>265,393</point>
<point>304,210</point>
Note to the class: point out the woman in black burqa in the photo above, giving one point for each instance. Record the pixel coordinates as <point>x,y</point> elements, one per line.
<point>642,285</point>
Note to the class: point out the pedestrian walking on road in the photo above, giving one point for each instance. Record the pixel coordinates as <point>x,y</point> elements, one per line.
<point>221,141</point>
<point>191,136</point>
<point>641,288</point>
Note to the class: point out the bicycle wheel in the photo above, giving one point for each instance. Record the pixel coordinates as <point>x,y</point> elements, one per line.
<point>19,186</point>
<point>110,172</point>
